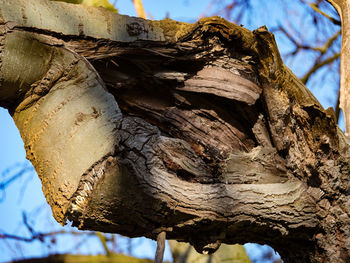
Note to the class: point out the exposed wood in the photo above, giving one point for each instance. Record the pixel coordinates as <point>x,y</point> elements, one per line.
<point>198,131</point>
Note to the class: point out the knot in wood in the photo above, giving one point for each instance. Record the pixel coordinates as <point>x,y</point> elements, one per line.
<point>135,29</point>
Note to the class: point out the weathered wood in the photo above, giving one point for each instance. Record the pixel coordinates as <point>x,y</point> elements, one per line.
<point>198,131</point>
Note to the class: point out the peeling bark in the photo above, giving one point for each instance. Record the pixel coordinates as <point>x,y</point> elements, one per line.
<point>196,130</point>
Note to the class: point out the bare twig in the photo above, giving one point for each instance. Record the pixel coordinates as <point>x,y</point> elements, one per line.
<point>103,240</point>
<point>39,235</point>
<point>300,46</point>
<point>329,43</point>
<point>318,10</point>
<point>6,182</point>
<point>288,35</point>
<point>319,65</point>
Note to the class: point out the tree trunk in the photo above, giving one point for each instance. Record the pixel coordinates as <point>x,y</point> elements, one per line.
<point>343,8</point>
<point>199,130</point>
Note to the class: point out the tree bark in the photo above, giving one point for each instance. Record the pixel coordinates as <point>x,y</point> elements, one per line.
<point>114,258</point>
<point>199,130</point>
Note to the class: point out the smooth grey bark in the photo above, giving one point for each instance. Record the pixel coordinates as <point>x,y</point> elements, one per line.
<point>196,130</point>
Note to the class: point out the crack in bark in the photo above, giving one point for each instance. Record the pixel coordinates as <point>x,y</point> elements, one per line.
<point>80,199</point>
<point>272,161</point>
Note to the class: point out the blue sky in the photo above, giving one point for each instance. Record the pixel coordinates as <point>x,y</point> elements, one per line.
<point>31,199</point>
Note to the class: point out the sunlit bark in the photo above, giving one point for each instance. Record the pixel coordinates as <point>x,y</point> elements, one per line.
<point>343,8</point>
<point>197,130</point>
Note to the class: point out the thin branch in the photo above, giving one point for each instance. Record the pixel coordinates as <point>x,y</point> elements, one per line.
<point>329,43</point>
<point>25,221</point>
<point>103,240</point>
<point>319,65</point>
<point>288,35</point>
<point>299,46</point>
<point>6,182</point>
<point>318,10</point>
<point>39,235</point>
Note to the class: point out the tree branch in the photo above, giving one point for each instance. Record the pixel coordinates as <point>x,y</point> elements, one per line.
<point>319,65</point>
<point>139,8</point>
<point>318,10</point>
<point>41,236</point>
<point>199,131</point>
<point>342,6</point>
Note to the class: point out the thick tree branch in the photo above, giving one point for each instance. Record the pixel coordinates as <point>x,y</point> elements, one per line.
<point>139,8</point>
<point>197,131</point>
<point>343,8</point>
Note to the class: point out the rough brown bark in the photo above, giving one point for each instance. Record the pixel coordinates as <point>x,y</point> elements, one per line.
<point>196,130</point>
